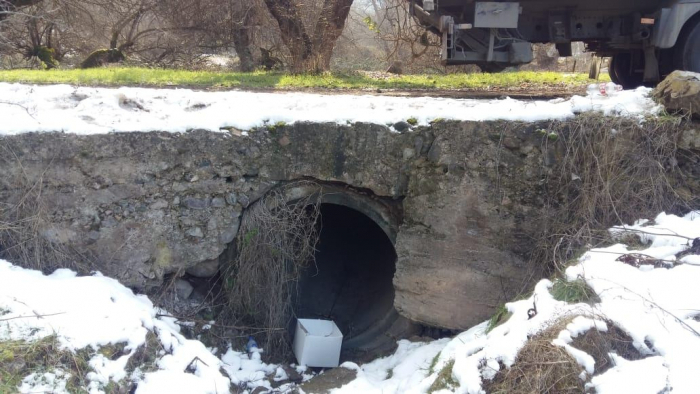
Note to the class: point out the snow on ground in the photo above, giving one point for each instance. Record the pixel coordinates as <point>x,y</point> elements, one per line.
<point>86,110</point>
<point>96,311</point>
<point>657,307</point>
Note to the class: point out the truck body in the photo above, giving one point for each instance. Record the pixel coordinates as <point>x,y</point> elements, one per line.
<point>646,39</point>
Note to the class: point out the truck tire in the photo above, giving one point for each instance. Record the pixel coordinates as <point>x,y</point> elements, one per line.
<point>686,54</point>
<point>622,73</point>
<point>612,73</point>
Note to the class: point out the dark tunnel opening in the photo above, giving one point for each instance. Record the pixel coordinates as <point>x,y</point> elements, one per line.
<point>351,280</point>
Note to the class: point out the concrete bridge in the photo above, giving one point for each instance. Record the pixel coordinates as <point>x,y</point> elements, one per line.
<point>432,226</point>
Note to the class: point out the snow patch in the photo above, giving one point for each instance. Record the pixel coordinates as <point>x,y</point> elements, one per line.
<point>86,110</point>
<point>95,311</point>
<point>656,307</point>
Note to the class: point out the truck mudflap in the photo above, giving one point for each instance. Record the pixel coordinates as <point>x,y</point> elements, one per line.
<point>670,22</point>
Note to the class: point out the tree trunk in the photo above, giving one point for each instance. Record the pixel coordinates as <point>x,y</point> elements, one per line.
<point>241,43</point>
<point>310,55</point>
<point>293,33</point>
<point>329,27</point>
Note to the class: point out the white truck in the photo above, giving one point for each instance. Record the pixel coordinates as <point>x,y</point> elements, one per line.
<point>646,39</point>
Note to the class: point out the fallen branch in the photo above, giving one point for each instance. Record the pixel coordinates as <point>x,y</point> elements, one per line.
<point>676,318</point>
<point>38,316</point>
<point>220,325</point>
<point>19,105</point>
<point>632,230</point>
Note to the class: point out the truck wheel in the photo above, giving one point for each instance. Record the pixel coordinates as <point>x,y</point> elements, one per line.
<point>623,73</point>
<point>687,50</point>
<point>612,73</point>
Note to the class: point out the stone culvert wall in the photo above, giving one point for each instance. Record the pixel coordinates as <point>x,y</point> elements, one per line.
<point>466,198</point>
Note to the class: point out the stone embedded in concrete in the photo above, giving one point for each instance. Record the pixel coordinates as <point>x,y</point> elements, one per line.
<point>158,204</point>
<point>204,269</point>
<point>244,200</point>
<point>218,202</point>
<point>196,203</point>
<point>195,232</point>
<point>402,126</point>
<point>183,289</point>
<point>231,198</point>
<point>284,141</point>
<point>228,234</point>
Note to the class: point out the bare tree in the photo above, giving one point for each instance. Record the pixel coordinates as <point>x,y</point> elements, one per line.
<point>34,30</point>
<point>8,7</point>
<point>404,40</point>
<point>243,15</point>
<point>310,51</point>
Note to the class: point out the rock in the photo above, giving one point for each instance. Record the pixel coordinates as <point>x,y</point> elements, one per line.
<point>252,171</point>
<point>690,139</point>
<point>58,235</point>
<point>195,232</point>
<point>187,221</point>
<point>284,141</point>
<point>396,67</point>
<point>402,126</point>
<point>231,199</point>
<point>418,145</point>
<point>435,152</point>
<point>183,289</point>
<point>196,203</point>
<point>329,380</point>
<point>109,222</point>
<point>159,204</point>
<point>204,269</point>
<point>228,234</point>
<point>244,200</point>
<point>218,202</point>
<point>212,223</point>
<point>680,92</point>
<point>511,143</point>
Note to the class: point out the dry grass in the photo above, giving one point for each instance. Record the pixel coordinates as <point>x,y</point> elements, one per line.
<point>542,367</point>
<point>25,231</point>
<point>610,171</point>
<point>276,240</point>
<point>599,345</point>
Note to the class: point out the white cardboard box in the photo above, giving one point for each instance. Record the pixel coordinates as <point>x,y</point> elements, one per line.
<point>317,343</point>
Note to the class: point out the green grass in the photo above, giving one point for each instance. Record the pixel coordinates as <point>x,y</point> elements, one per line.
<point>433,363</point>
<point>444,380</point>
<point>20,358</point>
<point>500,316</point>
<point>573,291</point>
<point>268,80</point>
